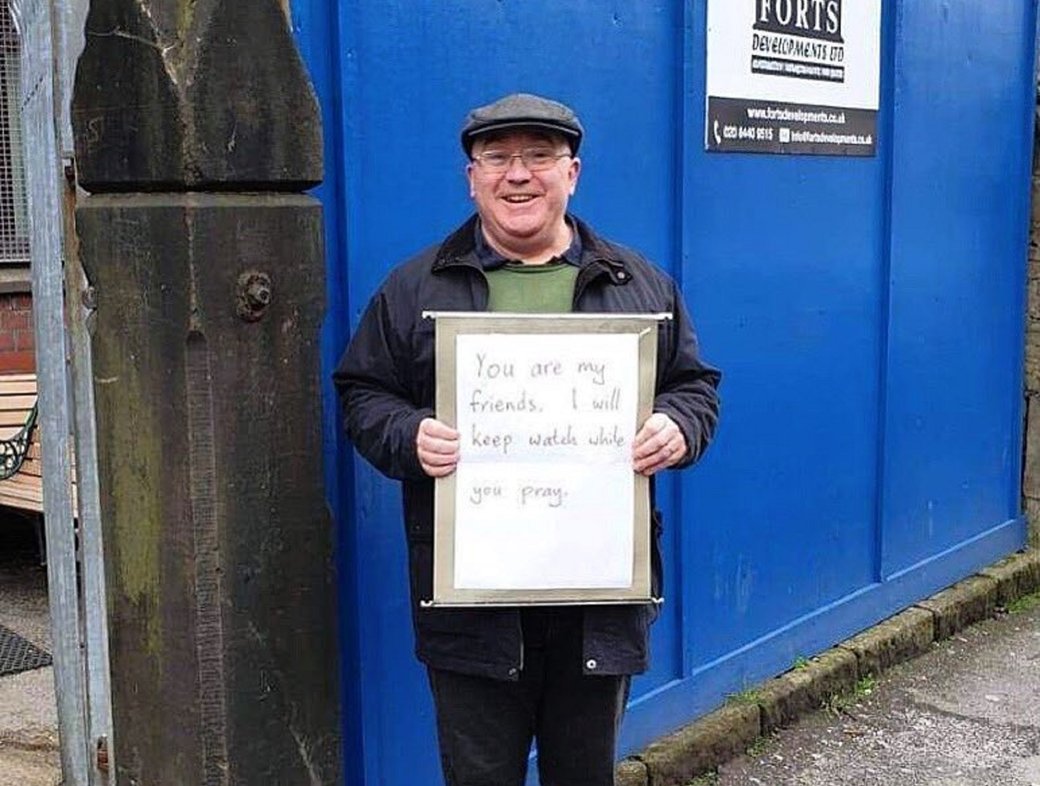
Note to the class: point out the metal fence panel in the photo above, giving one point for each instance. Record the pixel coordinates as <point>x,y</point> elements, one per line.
<point>49,49</point>
<point>70,17</point>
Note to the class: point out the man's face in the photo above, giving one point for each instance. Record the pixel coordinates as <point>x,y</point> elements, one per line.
<point>523,210</point>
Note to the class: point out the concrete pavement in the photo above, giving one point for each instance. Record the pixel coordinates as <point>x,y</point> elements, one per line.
<point>28,717</point>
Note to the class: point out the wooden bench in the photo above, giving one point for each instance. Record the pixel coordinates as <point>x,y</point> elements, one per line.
<point>20,439</point>
<point>20,444</point>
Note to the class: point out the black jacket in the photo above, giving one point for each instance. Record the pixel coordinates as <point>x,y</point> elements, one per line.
<point>386,386</point>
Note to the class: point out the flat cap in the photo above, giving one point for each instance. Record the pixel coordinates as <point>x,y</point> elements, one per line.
<point>522,110</point>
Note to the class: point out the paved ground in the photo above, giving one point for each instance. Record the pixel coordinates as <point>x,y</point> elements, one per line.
<point>28,719</point>
<point>965,714</point>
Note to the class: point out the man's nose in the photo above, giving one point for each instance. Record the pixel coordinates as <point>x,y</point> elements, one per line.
<point>517,171</point>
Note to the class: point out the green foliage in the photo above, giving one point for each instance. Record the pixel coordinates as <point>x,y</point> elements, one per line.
<point>760,746</point>
<point>1025,603</point>
<point>744,698</point>
<point>707,779</point>
<point>863,688</point>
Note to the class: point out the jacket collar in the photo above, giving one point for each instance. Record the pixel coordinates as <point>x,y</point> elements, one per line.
<point>459,248</point>
<point>490,259</point>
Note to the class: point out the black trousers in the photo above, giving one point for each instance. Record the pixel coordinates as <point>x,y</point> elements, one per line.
<point>485,726</point>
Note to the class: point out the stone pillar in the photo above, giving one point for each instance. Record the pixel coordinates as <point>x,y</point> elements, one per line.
<point>1031,466</point>
<point>197,131</point>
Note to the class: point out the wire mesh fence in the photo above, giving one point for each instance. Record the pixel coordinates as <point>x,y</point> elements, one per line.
<point>14,224</point>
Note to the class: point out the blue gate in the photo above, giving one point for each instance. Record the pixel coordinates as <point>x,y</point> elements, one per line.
<point>867,313</point>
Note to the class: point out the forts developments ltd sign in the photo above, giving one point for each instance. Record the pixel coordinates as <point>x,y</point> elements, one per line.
<point>809,18</point>
<point>793,76</point>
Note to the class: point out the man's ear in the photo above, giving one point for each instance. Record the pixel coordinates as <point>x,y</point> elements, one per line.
<point>469,179</point>
<point>573,172</point>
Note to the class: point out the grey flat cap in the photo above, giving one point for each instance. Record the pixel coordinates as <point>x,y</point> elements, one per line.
<point>522,110</point>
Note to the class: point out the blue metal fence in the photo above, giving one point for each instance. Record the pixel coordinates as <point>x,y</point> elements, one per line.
<point>867,313</point>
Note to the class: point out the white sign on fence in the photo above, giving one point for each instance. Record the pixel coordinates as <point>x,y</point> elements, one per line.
<point>793,76</point>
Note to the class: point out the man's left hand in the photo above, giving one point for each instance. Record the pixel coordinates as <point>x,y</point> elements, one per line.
<point>658,445</point>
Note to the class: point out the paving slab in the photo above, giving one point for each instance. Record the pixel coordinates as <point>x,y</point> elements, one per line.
<point>20,767</point>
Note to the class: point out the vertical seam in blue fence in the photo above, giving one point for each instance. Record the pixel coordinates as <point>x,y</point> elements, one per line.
<point>886,147</point>
<point>686,91</point>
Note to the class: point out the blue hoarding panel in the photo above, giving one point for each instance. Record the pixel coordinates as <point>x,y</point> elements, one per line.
<point>961,152</point>
<point>867,314</point>
<point>784,505</point>
<point>319,46</point>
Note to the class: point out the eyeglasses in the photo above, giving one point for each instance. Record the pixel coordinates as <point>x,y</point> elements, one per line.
<point>534,159</point>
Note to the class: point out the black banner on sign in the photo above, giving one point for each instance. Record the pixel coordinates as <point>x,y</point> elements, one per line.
<point>796,68</point>
<point>740,125</point>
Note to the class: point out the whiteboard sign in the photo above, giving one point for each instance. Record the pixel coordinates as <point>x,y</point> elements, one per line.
<point>544,506</point>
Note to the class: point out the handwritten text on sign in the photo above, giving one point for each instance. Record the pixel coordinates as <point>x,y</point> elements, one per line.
<point>544,485</point>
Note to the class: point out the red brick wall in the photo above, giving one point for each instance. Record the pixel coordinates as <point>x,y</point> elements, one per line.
<point>16,334</point>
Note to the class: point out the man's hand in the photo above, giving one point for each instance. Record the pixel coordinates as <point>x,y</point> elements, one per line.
<point>437,446</point>
<point>658,445</point>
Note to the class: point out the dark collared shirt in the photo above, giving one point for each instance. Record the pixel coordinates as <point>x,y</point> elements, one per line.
<point>492,260</point>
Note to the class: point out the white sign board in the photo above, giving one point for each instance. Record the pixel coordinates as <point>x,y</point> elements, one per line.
<point>544,505</point>
<point>793,76</point>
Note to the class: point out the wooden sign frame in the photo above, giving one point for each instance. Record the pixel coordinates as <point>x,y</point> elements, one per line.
<point>449,326</point>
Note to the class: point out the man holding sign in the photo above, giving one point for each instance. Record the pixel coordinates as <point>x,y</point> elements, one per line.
<point>502,677</point>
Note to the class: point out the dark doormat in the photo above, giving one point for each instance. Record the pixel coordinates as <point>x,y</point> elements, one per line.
<point>17,654</point>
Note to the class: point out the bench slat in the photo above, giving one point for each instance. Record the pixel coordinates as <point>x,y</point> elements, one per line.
<point>32,467</point>
<point>28,491</point>
<point>21,480</point>
<point>17,388</point>
<point>23,402</point>
<point>12,494</point>
<point>21,504</point>
<point>12,418</point>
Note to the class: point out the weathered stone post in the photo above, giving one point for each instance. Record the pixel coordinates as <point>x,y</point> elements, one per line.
<point>1031,465</point>
<point>196,132</point>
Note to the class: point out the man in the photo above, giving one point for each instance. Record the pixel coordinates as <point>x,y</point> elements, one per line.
<point>501,677</point>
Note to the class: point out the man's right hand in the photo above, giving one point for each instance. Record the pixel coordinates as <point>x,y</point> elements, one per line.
<point>437,446</point>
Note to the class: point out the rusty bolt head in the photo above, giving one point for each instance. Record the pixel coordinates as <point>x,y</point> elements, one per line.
<point>254,295</point>
<point>258,294</point>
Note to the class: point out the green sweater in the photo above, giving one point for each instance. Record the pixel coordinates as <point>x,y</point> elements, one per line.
<point>532,289</point>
